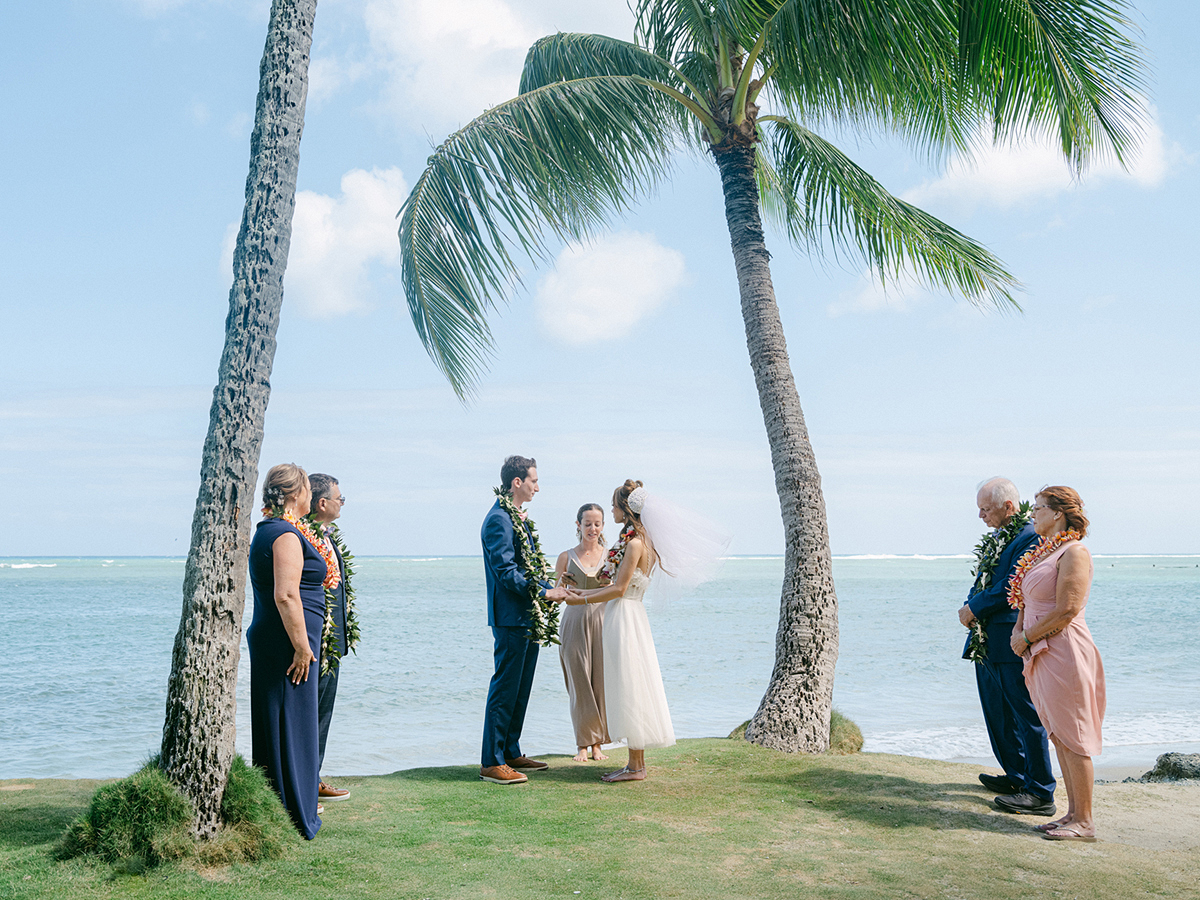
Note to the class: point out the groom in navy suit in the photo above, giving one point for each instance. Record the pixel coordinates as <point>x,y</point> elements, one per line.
<point>1016,733</point>
<point>509,607</point>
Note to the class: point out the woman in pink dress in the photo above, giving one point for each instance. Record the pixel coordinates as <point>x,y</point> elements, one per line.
<point>1062,665</point>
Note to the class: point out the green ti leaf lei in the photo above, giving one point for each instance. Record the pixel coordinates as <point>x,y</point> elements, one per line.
<point>987,555</point>
<point>331,652</point>
<point>532,562</point>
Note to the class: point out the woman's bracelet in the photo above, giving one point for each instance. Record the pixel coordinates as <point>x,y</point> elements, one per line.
<point>1025,638</point>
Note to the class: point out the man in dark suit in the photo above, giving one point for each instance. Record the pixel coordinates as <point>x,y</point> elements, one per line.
<point>327,501</point>
<point>509,607</point>
<point>1016,733</point>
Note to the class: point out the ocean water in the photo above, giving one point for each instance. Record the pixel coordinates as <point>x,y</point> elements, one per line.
<point>87,651</point>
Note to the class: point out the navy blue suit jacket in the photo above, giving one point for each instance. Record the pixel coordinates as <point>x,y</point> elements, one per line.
<point>507,587</point>
<point>990,605</point>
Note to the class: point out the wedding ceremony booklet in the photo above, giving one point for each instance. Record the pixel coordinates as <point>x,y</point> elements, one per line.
<point>582,580</point>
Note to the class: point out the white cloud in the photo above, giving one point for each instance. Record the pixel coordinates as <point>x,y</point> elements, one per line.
<point>448,58</point>
<point>601,290</point>
<point>869,294</point>
<point>1008,175</point>
<point>336,241</point>
<point>446,61</point>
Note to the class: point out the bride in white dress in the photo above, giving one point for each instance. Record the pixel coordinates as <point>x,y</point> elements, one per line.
<point>635,699</point>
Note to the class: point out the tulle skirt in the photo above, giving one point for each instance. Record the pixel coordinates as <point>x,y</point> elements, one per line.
<point>633,689</point>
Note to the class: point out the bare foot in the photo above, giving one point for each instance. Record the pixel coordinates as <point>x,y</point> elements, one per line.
<point>581,756</point>
<point>1053,824</point>
<point>1073,832</point>
<point>596,754</point>
<point>625,774</point>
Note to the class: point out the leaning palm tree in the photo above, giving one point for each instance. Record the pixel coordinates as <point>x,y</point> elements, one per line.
<point>198,732</point>
<point>597,123</point>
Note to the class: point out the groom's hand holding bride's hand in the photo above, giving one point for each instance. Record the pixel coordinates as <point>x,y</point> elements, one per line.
<point>562,594</point>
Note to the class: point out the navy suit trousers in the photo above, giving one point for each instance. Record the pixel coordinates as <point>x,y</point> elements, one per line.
<point>326,695</point>
<point>1017,736</point>
<point>508,694</point>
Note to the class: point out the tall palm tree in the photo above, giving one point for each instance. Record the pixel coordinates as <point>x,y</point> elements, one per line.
<point>198,733</point>
<point>598,120</point>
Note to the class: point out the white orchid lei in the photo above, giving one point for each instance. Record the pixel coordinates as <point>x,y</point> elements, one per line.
<point>532,562</point>
<point>987,556</point>
<point>331,654</point>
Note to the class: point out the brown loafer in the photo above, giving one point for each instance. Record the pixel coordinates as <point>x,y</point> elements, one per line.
<point>527,764</point>
<point>325,792</point>
<point>501,775</point>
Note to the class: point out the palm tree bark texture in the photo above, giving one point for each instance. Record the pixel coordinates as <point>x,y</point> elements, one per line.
<point>199,730</point>
<point>597,123</point>
<point>793,714</point>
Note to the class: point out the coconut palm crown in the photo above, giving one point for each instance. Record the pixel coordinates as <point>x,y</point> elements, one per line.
<point>598,121</point>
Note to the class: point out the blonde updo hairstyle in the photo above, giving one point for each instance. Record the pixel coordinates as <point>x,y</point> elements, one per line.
<point>621,502</point>
<point>282,483</point>
<point>1067,501</point>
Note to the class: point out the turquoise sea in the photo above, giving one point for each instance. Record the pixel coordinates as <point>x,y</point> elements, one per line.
<point>87,650</point>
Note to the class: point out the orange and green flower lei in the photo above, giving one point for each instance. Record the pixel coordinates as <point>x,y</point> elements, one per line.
<point>612,561</point>
<point>1033,556</point>
<point>333,574</point>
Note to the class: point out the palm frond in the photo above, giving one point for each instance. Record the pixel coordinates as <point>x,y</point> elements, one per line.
<point>820,195</point>
<point>672,27</point>
<point>555,162</point>
<point>861,62</point>
<point>565,56</point>
<point>1069,67</point>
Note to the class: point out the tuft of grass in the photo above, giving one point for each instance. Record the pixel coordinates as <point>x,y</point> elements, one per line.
<point>137,822</point>
<point>143,821</point>
<point>255,824</point>
<point>844,736</point>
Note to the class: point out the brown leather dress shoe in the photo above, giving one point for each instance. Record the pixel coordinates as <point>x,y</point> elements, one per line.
<point>325,792</point>
<point>527,764</point>
<point>501,775</point>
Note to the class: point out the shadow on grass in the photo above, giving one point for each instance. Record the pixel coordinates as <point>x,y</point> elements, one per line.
<point>558,773</point>
<point>891,800</point>
<point>34,825</point>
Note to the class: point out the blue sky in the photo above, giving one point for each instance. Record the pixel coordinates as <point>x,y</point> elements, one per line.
<point>126,128</point>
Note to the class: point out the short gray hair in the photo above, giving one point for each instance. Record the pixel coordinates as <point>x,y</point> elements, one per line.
<point>1000,491</point>
<point>322,486</point>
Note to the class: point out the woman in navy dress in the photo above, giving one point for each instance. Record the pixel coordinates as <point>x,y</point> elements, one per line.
<point>287,572</point>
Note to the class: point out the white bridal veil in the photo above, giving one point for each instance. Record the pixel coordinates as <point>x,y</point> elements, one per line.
<point>690,547</point>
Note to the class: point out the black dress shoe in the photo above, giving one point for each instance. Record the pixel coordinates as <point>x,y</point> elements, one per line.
<point>998,784</point>
<point>1026,804</point>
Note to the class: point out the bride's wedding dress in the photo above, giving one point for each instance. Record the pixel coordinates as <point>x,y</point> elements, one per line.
<point>633,688</point>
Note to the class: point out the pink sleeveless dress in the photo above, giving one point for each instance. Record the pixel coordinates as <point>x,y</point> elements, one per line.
<point>1063,672</point>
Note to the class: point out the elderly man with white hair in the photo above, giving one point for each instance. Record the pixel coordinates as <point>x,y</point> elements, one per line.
<point>1017,736</point>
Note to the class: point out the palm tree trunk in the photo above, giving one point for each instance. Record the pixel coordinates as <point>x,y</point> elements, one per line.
<point>198,734</point>
<point>794,713</point>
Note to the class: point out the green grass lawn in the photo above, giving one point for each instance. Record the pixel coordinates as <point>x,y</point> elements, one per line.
<point>716,818</point>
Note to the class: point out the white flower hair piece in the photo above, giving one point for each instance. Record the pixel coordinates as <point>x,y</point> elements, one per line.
<point>637,500</point>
